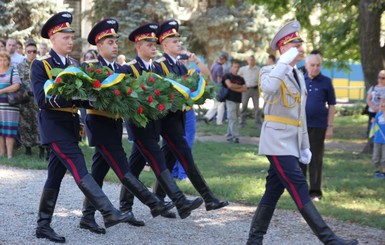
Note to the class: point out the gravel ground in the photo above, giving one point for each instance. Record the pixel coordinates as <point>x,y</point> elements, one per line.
<point>19,198</point>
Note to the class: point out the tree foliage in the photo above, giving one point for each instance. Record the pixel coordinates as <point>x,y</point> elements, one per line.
<point>23,19</point>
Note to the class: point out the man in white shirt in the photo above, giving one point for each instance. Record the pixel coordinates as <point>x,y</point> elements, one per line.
<point>11,50</point>
<point>250,73</point>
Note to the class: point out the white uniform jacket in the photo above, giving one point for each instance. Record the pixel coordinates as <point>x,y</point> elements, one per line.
<point>284,130</point>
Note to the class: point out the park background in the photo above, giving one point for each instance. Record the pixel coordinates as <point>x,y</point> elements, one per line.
<point>350,34</point>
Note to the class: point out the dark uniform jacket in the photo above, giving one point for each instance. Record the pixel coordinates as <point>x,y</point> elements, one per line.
<point>101,129</point>
<point>53,125</point>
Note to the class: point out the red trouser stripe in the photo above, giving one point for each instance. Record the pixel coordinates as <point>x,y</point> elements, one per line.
<point>297,199</point>
<point>175,149</point>
<point>74,171</point>
<point>114,164</point>
<point>154,164</point>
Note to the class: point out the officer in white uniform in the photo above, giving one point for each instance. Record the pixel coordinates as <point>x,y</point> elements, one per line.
<point>284,139</point>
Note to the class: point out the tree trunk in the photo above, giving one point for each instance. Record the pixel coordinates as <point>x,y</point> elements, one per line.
<point>372,54</point>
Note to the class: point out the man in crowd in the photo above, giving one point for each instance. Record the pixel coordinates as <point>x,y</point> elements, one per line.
<point>218,108</point>
<point>320,108</point>
<point>237,87</point>
<point>11,46</point>
<point>250,73</point>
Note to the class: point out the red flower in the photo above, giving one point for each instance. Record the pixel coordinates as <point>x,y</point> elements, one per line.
<point>157,92</point>
<point>117,92</point>
<point>90,69</point>
<point>149,99</point>
<point>171,96</point>
<point>207,83</point>
<point>143,87</point>
<point>161,107</point>
<point>151,80</point>
<point>58,80</point>
<point>185,77</point>
<point>134,81</point>
<point>109,73</point>
<point>96,84</point>
<point>129,91</point>
<point>192,90</point>
<point>140,110</point>
<point>98,71</point>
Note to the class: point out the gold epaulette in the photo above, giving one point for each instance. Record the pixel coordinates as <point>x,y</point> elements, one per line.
<point>132,62</point>
<point>43,57</point>
<point>161,59</point>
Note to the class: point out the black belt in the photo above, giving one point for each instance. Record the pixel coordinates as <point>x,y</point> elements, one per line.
<point>255,87</point>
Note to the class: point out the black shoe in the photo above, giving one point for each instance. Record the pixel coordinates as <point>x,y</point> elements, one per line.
<point>132,220</point>
<point>48,233</point>
<point>206,120</point>
<point>28,151</point>
<point>189,206</point>
<point>91,225</point>
<point>216,204</point>
<point>168,214</point>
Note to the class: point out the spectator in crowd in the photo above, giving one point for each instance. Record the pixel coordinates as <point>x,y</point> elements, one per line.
<point>121,59</point>
<point>378,131</point>
<point>43,49</point>
<point>271,60</point>
<point>373,98</point>
<point>11,49</point>
<point>29,131</point>
<point>216,76</point>
<point>314,51</point>
<point>19,47</point>
<point>250,74</point>
<point>9,115</point>
<point>320,109</point>
<point>236,85</point>
<point>90,54</point>
<point>2,45</point>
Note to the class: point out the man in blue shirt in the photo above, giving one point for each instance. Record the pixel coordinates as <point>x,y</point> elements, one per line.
<point>320,108</point>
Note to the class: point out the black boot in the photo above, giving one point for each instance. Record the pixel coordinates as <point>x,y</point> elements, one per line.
<point>259,224</point>
<point>126,202</point>
<point>199,183</point>
<point>46,208</point>
<point>88,219</point>
<point>161,195</point>
<point>320,228</point>
<point>183,205</point>
<point>28,151</point>
<point>144,195</point>
<point>99,200</point>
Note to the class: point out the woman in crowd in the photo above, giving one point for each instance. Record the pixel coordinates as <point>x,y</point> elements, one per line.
<point>9,115</point>
<point>373,98</point>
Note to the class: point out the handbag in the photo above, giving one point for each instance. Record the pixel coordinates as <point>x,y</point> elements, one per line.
<point>21,96</point>
<point>223,92</point>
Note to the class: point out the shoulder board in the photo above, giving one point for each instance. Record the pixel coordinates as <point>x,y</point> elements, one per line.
<point>43,57</point>
<point>132,62</point>
<point>91,61</point>
<point>161,59</point>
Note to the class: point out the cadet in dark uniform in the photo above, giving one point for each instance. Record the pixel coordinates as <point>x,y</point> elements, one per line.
<point>146,139</point>
<point>284,139</point>
<point>104,132</point>
<point>175,145</point>
<point>59,128</point>
<point>172,126</point>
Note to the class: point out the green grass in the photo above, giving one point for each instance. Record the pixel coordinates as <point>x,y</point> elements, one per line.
<point>235,172</point>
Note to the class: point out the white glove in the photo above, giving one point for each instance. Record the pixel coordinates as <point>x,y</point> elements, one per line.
<point>305,156</point>
<point>289,56</point>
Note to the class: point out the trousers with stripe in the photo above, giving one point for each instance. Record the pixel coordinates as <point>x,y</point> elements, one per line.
<point>65,155</point>
<point>146,148</point>
<point>285,173</point>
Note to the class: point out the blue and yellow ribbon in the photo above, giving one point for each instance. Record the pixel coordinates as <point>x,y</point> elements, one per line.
<point>196,95</point>
<point>112,80</point>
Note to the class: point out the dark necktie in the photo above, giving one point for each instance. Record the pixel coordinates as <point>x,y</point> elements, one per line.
<point>296,76</point>
<point>67,62</point>
<point>111,67</point>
